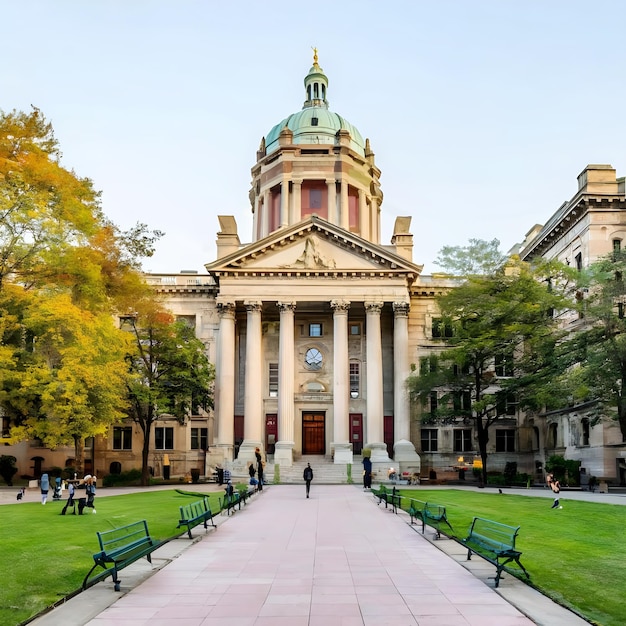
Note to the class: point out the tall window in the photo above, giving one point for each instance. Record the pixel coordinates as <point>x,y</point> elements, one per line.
<point>199,438</point>
<point>462,439</point>
<point>164,438</point>
<point>429,440</point>
<point>273,380</point>
<point>505,440</point>
<point>315,330</point>
<point>355,379</point>
<point>122,438</point>
<point>585,433</point>
<point>504,364</point>
<point>433,402</point>
<point>462,401</point>
<point>578,260</point>
<point>506,404</point>
<point>617,245</point>
<point>441,328</point>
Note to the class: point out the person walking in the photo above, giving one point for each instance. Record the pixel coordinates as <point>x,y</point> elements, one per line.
<point>44,483</point>
<point>367,473</point>
<point>259,467</point>
<point>308,477</point>
<point>555,486</point>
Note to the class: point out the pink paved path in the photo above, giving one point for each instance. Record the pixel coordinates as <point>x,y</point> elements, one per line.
<point>332,560</point>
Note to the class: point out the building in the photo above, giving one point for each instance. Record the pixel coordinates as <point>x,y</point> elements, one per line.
<point>590,225</point>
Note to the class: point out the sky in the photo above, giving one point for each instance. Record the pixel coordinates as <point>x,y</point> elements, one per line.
<point>481,113</point>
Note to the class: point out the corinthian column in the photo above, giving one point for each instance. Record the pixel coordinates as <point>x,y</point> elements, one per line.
<point>375,435</point>
<point>225,380</point>
<point>341,385</point>
<point>332,200</point>
<point>404,453</point>
<point>284,203</point>
<point>283,452</point>
<point>253,405</point>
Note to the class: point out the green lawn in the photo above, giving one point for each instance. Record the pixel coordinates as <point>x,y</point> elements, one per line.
<point>45,555</point>
<point>576,555</point>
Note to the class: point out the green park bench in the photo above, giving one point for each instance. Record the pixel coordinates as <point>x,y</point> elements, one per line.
<point>195,513</point>
<point>433,515</point>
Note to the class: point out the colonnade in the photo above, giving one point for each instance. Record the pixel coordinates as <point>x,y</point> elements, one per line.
<point>253,393</point>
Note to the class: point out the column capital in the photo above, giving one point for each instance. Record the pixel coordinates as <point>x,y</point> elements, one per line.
<point>330,181</point>
<point>374,307</point>
<point>286,307</point>
<point>226,309</point>
<point>340,306</point>
<point>401,309</point>
<point>253,305</point>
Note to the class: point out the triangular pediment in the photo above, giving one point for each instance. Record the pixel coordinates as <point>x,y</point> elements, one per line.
<point>313,245</point>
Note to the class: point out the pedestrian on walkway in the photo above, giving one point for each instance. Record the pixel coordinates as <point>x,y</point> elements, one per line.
<point>308,477</point>
<point>44,483</point>
<point>367,473</point>
<point>259,467</point>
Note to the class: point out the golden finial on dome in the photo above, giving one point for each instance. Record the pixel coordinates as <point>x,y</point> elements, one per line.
<point>314,56</point>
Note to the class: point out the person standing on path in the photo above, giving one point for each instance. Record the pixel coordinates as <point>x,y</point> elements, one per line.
<point>308,477</point>
<point>259,467</point>
<point>367,472</point>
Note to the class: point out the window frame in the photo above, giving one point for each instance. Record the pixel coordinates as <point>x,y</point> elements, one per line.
<point>166,435</point>
<point>125,436</point>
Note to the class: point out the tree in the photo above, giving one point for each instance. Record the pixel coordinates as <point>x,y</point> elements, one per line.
<point>478,257</point>
<point>601,347</point>
<point>170,373</point>
<point>504,349</point>
<point>67,380</point>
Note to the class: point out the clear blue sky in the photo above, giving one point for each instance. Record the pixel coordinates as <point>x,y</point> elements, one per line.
<point>481,113</point>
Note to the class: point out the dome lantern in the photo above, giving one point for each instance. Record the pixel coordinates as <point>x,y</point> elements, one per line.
<point>315,85</point>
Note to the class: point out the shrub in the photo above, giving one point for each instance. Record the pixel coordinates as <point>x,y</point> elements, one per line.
<point>7,468</point>
<point>510,471</point>
<point>131,477</point>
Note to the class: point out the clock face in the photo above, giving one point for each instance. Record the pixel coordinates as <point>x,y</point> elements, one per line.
<point>313,358</point>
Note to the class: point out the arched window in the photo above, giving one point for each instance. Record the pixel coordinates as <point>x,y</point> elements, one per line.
<point>115,468</point>
<point>585,431</point>
<point>552,435</point>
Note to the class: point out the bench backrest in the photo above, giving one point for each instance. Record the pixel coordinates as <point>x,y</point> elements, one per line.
<point>111,540</point>
<point>194,509</point>
<point>489,533</point>
<point>418,505</point>
<point>435,511</point>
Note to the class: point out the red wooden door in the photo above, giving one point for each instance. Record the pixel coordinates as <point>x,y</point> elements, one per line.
<point>271,432</point>
<point>388,434</point>
<point>356,432</point>
<point>313,433</point>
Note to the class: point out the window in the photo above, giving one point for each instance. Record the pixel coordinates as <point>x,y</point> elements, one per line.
<point>585,433</point>
<point>273,380</point>
<point>505,440</point>
<point>553,430</point>
<point>462,439</point>
<point>355,329</point>
<point>315,330</point>
<point>164,438</point>
<point>315,198</point>
<point>617,245</point>
<point>462,401</point>
<point>506,404</point>
<point>199,438</point>
<point>504,364</point>
<point>313,359</point>
<point>578,259</point>
<point>441,328</point>
<point>429,440</point>
<point>354,380</point>
<point>122,438</point>
<point>314,121</point>
<point>433,402</point>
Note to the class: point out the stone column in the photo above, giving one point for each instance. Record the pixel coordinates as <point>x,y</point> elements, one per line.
<point>284,203</point>
<point>400,370</point>
<point>225,382</point>
<point>344,211</point>
<point>374,369</point>
<point>283,452</point>
<point>341,385</point>
<point>265,221</point>
<point>296,198</point>
<point>375,223</point>
<point>332,200</point>
<point>253,397</point>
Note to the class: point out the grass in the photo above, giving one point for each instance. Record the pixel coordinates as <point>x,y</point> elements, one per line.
<point>575,555</point>
<point>45,555</point>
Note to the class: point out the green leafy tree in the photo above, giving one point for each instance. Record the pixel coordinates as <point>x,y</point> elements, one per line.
<point>170,373</point>
<point>504,347</point>
<point>478,257</point>
<point>601,345</point>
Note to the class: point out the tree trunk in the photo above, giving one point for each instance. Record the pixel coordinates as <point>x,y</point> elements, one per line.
<point>79,454</point>
<point>145,454</point>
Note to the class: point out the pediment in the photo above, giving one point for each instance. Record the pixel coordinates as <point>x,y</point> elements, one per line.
<point>313,246</point>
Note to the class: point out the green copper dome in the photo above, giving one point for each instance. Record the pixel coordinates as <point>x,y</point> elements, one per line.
<point>315,124</point>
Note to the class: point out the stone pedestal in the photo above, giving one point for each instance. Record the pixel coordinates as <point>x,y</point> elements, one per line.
<point>283,453</point>
<point>379,452</point>
<point>405,457</point>
<point>246,453</point>
<point>342,453</point>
